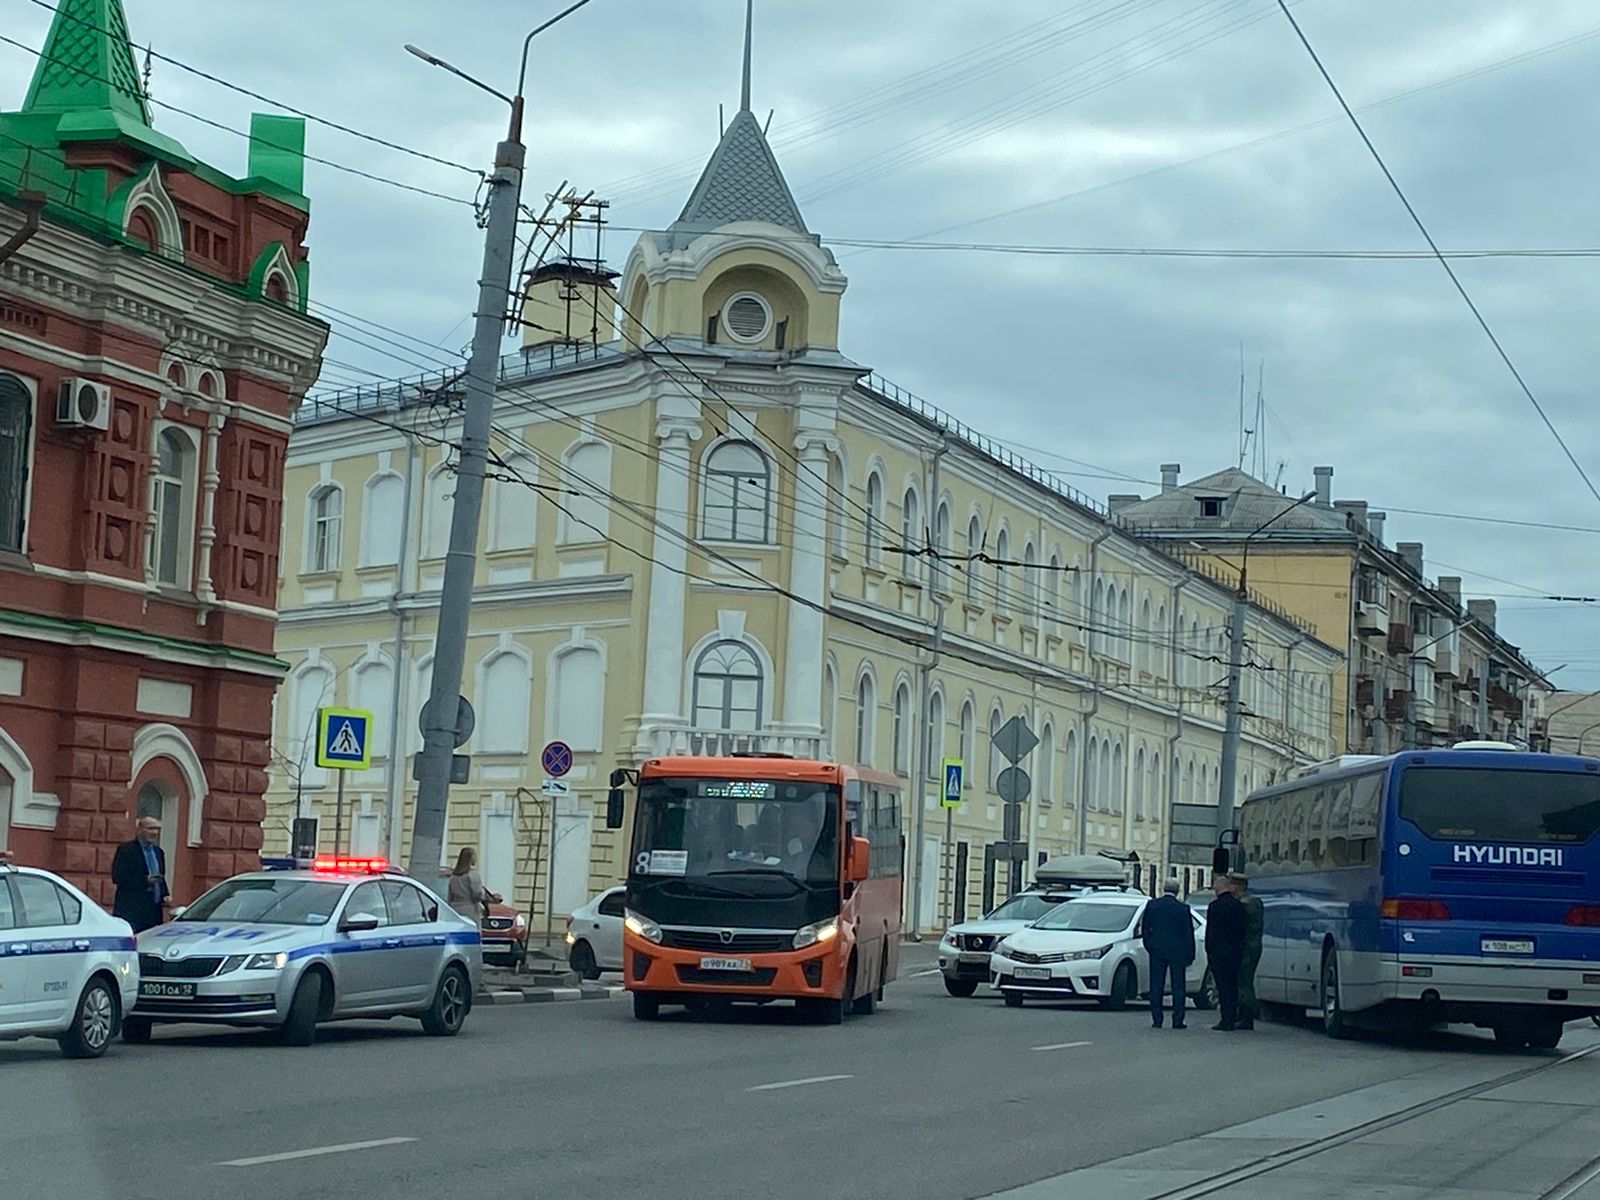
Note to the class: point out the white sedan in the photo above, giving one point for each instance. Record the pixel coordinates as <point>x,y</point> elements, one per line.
<point>594,935</point>
<point>1090,948</point>
<point>67,967</point>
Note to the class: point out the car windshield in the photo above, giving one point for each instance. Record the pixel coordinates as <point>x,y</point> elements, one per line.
<point>267,902</point>
<point>1488,805</point>
<point>1024,908</point>
<point>704,827</point>
<point>1088,917</point>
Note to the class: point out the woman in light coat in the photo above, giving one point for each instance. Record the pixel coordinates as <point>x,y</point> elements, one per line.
<point>467,895</point>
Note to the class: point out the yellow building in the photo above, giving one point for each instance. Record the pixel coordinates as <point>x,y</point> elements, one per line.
<point>716,533</point>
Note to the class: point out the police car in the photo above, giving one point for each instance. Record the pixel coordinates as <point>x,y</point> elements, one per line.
<point>348,938</point>
<point>67,967</point>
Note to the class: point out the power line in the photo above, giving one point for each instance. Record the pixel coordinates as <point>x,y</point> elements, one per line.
<point>1443,261</point>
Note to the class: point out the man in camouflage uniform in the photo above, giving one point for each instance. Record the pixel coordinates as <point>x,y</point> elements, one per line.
<point>1249,1007</point>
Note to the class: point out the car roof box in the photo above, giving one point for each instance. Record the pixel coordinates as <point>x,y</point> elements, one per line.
<point>1066,869</point>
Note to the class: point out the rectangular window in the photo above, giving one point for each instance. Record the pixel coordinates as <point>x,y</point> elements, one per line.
<point>1496,805</point>
<point>169,531</point>
<point>16,412</point>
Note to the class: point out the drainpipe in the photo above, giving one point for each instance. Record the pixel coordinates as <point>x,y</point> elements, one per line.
<point>924,767</point>
<point>33,206</point>
<point>397,744</point>
<point>1094,706</point>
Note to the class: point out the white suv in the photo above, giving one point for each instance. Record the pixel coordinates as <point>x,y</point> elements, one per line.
<point>68,969</point>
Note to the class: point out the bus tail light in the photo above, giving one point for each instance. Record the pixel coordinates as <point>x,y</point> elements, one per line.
<point>1584,914</point>
<point>1414,910</point>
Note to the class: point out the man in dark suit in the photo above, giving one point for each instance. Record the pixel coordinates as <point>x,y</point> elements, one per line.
<point>1225,938</point>
<point>139,872</point>
<point>1169,941</point>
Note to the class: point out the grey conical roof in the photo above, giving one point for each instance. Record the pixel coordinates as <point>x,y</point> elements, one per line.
<point>742,182</point>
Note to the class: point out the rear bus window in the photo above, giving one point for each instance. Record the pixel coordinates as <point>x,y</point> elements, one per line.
<point>1488,805</point>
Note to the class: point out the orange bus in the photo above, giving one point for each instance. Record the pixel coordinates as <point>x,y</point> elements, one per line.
<point>759,878</point>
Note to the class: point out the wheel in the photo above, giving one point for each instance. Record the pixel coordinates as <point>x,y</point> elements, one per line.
<point>92,1022</point>
<point>1512,1037</point>
<point>519,958</point>
<point>1334,1022</point>
<point>1013,999</point>
<point>1595,1017</point>
<point>960,987</point>
<point>1545,1033</point>
<point>1124,987</point>
<point>865,1004</point>
<point>1206,997</point>
<point>136,1030</point>
<point>452,1000</point>
<point>645,1006</point>
<point>582,961</point>
<point>300,1029</point>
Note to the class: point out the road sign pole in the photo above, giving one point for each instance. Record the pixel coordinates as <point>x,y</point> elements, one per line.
<point>338,815</point>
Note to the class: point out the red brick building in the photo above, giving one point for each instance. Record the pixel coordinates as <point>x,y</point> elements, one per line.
<point>153,345</point>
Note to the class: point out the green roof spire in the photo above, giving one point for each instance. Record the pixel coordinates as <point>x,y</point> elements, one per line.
<point>87,64</point>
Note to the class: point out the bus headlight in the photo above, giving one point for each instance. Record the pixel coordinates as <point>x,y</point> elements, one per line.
<point>641,927</point>
<point>821,931</point>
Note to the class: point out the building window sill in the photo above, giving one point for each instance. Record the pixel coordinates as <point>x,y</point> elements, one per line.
<point>15,560</point>
<point>373,570</point>
<point>318,576</point>
<point>746,547</point>
<point>500,554</point>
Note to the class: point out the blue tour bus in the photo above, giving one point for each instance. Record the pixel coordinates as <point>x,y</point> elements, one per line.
<point>1446,885</point>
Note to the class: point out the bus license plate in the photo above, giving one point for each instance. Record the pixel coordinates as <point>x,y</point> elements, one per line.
<point>724,964</point>
<point>166,991</point>
<point>1508,945</point>
<point>1031,972</point>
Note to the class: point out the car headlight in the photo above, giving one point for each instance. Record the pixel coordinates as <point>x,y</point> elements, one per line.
<point>520,923</point>
<point>951,940</point>
<point>1080,955</point>
<point>1000,947</point>
<point>267,962</point>
<point>820,931</point>
<point>641,927</point>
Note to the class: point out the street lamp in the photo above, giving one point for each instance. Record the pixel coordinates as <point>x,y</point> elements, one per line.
<point>444,724</point>
<point>1585,733</point>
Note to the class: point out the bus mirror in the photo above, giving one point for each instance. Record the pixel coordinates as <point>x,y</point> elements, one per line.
<point>860,859</point>
<point>618,777</point>
<point>1221,862</point>
<point>614,804</point>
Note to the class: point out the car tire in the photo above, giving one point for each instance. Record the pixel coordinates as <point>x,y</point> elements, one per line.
<point>452,1001</point>
<point>300,1028</point>
<point>94,1021</point>
<point>136,1030</point>
<point>1334,1021</point>
<point>582,960</point>
<point>1012,999</point>
<point>1124,987</point>
<point>961,988</point>
<point>646,1007</point>
<point>1545,1033</point>
<point>865,1004</point>
<point>1206,998</point>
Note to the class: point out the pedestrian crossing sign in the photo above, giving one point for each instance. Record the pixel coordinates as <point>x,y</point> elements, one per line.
<point>954,771</point>
<point>344,739</point>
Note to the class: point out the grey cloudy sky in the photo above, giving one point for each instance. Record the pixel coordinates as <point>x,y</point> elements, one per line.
<point>1139,123</point>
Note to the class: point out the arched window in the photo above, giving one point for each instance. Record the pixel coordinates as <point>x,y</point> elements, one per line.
<point>912,535</point>
<point>1158,655</point>
<point>830,709</point>
<point>173,508</point>
<point>587,516</point>
<point>996,762</point>
<point>1002,573</point>
<point>1047,765</point>
<point>1180,650</point>
<point>866,720</point>
<point>838,501</point>
<point>1144,650</point>
<point>513,504</point>
<point>310,689</point>
<point>941,543</point>
<point>503,701</point>
<point>16,422</point>
<point>577,711</point>
<point>1078,594</point>
<point>1111,779</point>
<point>1097,617</point>
<point>1074,768</point>
<point>1091,775</point>
<point>382,507</point>
<point>935,736</point>
<point>737,501</point>
<point>438,504</point>
<point>729,687</point>
<point>974,567</point>
<point>1155,796</point>
<point>326,534</point>
<point>1138,784</point>
<point>1125,627</point>
<point>142,232</point>
<point>968,738</point>
<point>276,289</point>
<point>1030,583</point>
<point>874,555</point>
<point>1052,592</point>
<point>901,730</point>
<point>1188,782</point>
<point>373,690</point>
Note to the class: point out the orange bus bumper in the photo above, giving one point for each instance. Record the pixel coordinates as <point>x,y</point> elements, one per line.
<point>817,972</point>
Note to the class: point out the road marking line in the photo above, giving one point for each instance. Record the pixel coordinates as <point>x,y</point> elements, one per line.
<point>920,974</point>
<point>1062,1046</point>
<point>789,1083</point>
<point>314,1152</point>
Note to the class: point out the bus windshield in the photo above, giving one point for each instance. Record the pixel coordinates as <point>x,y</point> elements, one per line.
<point>713,827</point>
<point>1492,805</point>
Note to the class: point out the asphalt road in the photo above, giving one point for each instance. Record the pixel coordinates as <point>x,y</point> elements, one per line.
<point>931,1097</point>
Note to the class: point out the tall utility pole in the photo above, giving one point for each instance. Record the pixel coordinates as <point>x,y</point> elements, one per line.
<point>1483,698</point>
<point>927,767</point>
<point>440,717</point>
<point>1228,777</point>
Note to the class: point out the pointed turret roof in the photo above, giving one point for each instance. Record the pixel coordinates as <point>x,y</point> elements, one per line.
<point>87,63</point>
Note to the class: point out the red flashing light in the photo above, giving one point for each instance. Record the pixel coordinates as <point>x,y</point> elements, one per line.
<point>1415,910</point>
<point>340,862</point>
<point>1587,915</point>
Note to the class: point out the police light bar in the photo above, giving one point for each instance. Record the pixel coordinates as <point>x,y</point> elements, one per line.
<point>340,862</point>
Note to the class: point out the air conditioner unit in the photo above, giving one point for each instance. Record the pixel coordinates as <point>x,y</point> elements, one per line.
<point>83,404</point>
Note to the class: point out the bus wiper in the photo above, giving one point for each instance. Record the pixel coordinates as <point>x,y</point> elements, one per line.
<point>694,885</point>
<point>778,871</point>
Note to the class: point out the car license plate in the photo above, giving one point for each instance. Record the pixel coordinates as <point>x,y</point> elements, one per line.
<point>1507,945</point>
<point>974,958</point>
<point>166,991</point>
<point>724,964</point>
<point>1031,972</point>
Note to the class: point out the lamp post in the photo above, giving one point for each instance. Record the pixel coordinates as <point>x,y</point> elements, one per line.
<point>441,716</point>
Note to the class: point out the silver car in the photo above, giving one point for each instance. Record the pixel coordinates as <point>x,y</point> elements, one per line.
<point>965,948</point>
<point>291,949</point>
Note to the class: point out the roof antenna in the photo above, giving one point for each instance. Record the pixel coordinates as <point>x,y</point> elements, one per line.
<point>149,66</point>
<point>722,126</point>
<point>749,22</point>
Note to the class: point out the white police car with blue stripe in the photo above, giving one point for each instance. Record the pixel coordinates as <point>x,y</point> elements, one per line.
<point>67,967</point>
<point>347,939</point>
